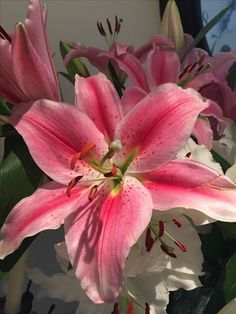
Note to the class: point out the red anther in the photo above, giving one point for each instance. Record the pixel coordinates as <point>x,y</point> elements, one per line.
<point>4,34</point>
<point>181,246</point>
<point>149,241</point>
<point>130,309</point>
<point>177,223</point>
<point>82,154</point>
<point>193,66</point>
<point>111,173</point>
<point>115,309</point>
<point>186,70</point>
<point>188,154</point>
<point>93,192</point>
<point>109,27</point>
<point>200,68</point>
<point>168,250</point>
<point>147,308</point>
<point>161,228</point>
<point>72,183</point>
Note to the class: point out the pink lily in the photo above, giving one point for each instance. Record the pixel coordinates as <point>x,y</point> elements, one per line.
<point>27,71</point>
<point>123,169</point>
<point>162,65</point>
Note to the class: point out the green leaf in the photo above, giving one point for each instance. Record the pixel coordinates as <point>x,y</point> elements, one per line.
<point>225,289</point>
<point>19,177</point>
<point>4,109</point>
<point>75,66</point>
<point>6,130</point>
<point>205,30</point>
<point>225,165</point>
<point>231,78</point>
<point>228,229</point>
<point>68,77</point>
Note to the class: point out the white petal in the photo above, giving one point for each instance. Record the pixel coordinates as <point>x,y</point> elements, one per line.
<point>229,308</point>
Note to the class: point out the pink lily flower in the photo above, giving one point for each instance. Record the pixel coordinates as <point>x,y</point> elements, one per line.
<point>27,71</point>
<point>109,173</point>
<point>161,64</point>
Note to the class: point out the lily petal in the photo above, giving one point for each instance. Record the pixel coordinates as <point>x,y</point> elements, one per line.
<point>37,82</point>
<point>98,260</point>
<point>55,132</point>
<point>131,97</point>
<point>44,209</point>
<point>202,131</point>
<point>163,66</point>
<point>183,183</point>
<point>96,96</point>
<point>35,24</point>
<point>158,126</point>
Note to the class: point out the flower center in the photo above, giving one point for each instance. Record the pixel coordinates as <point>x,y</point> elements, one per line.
<point>105,167</point>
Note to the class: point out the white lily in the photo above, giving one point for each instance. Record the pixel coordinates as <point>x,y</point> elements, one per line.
<point>150,275</point>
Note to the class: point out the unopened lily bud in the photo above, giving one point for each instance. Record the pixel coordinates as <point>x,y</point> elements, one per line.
<point>171,25</point>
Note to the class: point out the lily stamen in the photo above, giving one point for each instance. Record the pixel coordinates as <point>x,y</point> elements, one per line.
<point>80,155</point>
<point>111,173</point>
<point>93,192</point>
<point>130,309</point>
<point>177,223</point>
<point>147,308</point>
<point>115,309</point>
<point>181,246</point>
<point>149,241</point>
<point>72,183</point>
<point>168,250</point>
<point>161,228</point>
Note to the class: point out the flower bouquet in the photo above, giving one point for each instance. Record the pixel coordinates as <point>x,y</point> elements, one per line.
<point>140,171</point>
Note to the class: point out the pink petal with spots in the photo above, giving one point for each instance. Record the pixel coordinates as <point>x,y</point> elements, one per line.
<point>97,97</point>
<point>158,127</point>
<point>44,209</point>
<point>132,95</point>
<point>97,258</point>
<point>184,183</point>
<point>54,132</point>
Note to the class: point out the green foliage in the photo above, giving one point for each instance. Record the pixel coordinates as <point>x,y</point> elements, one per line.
<point>75,66</point>
<point>205,30</point>
<point>19,177</point>
<point>225,289</point>
<point>231,78</point>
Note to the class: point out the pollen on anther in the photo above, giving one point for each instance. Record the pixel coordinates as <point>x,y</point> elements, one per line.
<point>72,183</point>
<point>115,309</point>
<point>147,308</point>
<point>80,155</point>
<point>149,241</point>
<point>93,192</point>
<point>177,223</point>
<point>161,228</point>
